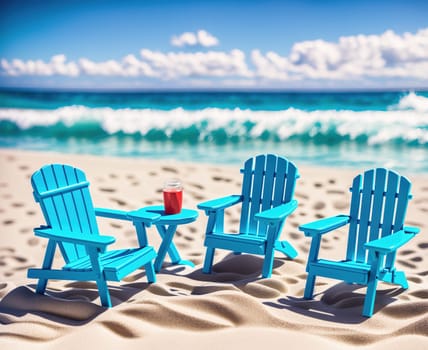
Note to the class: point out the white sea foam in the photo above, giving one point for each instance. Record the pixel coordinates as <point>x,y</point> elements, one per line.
<point>413,102</point>
<point>375,127</point>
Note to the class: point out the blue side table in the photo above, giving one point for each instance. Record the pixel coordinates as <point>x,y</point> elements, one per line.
<point>166,226</point>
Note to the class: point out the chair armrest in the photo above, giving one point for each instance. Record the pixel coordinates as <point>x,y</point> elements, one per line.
<point>136,216</point>
<point>112,213</point>
<point>64,236</point>
<point>278,213</point>
<point>220,203</point>
<point>392,242</point>
<point>322,226</point>
<point>146,217</point>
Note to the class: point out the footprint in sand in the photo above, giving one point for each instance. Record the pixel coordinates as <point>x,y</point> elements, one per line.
<point>303,248</point>
<point>423,245</point>
<point>295,236</point>
<point>189,238</point>
<point>407,264</point>
<point>169,169</point>
<point>118,201</point>
<point>340,205</point>
<point>33,241</point>
<point>196,196</point>
<point>198,186</point>
<point>405,252</point>
<point>129,233</point>
<point>336,192</point>
<point>220,178</point>
<point>18,205</point>
<point>294,224</point>
<point>107,189</point>
<point>319,205</point>
<point>301,195</point>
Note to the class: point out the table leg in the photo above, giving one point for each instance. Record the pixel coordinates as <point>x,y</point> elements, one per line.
<point>168,246</point>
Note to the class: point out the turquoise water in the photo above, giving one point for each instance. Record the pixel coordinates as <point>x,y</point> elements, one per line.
<point>348,129</point>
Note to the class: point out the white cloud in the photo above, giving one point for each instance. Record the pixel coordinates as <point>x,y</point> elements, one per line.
<point>175,65</point>
<point>56,66</point>
<point>201,38</point>
<point>388,57</point>
<point>355,57</point>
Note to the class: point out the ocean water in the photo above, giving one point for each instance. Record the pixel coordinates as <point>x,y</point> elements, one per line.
<point>348,129</point>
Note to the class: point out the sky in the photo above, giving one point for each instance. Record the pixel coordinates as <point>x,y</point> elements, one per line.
<point>306,44</point>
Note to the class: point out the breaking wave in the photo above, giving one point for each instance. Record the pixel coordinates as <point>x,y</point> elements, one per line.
<point>406,123</point>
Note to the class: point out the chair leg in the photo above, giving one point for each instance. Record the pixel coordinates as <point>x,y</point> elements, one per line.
<point>309,288</point>
<point>369,301</point>
<point>286,248</point>
<point>41,286</point>
<point>150,272</point>
<point>104,293</point>
<point>209,257</point>
<point>47,264</point>
<point>268,264</point>
<point>400,278</point>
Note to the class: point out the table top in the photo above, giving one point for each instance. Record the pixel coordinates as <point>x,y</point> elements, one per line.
<point>183,217</point>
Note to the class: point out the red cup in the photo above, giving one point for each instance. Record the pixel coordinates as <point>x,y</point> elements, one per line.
<point>173,196</point>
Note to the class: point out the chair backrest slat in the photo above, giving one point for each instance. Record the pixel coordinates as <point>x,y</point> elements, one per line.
<point>281,181</point>
<point>366,204</point>
<point>268,181</point>
<point>246,189</point>
<point>378,201</point>
<point>255,203</point>
<point>291,176</point>
<point>390,199</point>
<point>63,194</point>
<point>400,213</point>
<point>378,209</point>
<point>268,186</point>
<point>354,216</point>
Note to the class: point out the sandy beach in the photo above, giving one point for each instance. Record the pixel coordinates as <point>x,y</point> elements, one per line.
<point>186,309</point>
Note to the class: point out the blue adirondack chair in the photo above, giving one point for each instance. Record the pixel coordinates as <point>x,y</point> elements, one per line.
<point>376,230</point>
<point>63,194</point>
<point>266,201</point>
